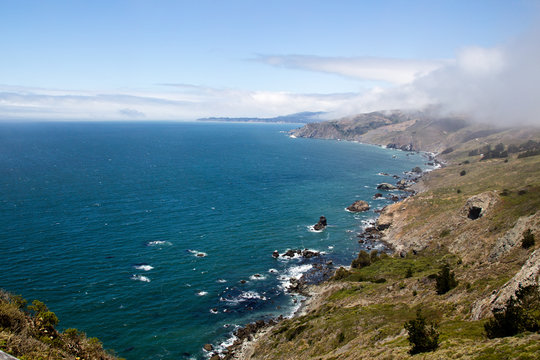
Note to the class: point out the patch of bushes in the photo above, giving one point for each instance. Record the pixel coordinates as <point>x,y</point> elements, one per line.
<point>363,260</point>
<point>341,274</point>
<point>445,280</point>
<point>422,337</point>
<point>462,173</point>
<point>521,313</point>
<point>30,333</point>
<point>528,239</point>
<point>444,233</point>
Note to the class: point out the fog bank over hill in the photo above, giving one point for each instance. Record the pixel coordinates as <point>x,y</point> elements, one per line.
<point>499,85</point>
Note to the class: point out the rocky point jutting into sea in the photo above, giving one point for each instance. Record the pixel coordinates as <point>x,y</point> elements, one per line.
<point>476,216</point>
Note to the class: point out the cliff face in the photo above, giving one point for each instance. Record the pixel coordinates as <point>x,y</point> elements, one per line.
<point>472,215</point>
<point>413,130</point>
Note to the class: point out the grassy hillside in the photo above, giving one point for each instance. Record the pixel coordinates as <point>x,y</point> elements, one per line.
<point>361,313</point>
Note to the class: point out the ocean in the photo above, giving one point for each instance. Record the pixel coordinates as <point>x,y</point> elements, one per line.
<point>157,238</point>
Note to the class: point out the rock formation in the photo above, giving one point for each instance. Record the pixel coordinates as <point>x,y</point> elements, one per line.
<point>477,205</point>
<point>386,186</point>
<point>358,206</point>
<point>321,224</point>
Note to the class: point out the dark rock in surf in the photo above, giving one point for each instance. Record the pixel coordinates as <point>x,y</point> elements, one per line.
<point>321,224</point>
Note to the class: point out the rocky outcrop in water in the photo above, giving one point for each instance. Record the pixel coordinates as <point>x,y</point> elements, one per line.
<point>386,186</point>
<point>306,253</point>
<point>358,206</point>
<point>321,224</point>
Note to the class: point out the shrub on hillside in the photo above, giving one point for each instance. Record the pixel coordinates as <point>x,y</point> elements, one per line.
<point>445,280</point>
<point>422,337</point>
<point>341,273</point>
<point>409,272</point>
<point>362,260</point>
<point>521,313</point>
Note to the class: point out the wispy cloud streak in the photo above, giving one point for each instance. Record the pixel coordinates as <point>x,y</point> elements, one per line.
<point>393,71</point>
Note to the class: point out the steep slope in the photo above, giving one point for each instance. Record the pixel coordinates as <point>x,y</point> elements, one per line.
<point>414,130</point>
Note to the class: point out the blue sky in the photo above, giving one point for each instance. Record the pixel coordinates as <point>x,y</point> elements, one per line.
<point>188,59</point>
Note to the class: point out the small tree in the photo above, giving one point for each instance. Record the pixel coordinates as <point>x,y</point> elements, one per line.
<point>521,313</point>
<point>445,280</point>
<point>362,260</point>
<point>528,239</point>
<point>422,337</point>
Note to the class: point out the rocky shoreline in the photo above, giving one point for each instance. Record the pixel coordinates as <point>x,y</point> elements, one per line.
<point>246,337</point>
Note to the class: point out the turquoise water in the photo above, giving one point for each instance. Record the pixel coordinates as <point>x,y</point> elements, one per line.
<point>103,222</point>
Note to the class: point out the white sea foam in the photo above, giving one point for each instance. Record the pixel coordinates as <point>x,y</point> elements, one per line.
<point>202,293</point>
<point>158,242</point>
<point>245,295</point>
<point>144,267</point>
<point>213,311</point>
<point>294,272</point>
<point>272,271</point>
<point>198,253</point>
<point>257,277</point>
<point>140,278</point>
<point>221,281</point>
<point>311,228</point>
<point>330,247</point>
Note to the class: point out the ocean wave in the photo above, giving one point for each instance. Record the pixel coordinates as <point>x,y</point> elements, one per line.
<point>272,271</point>
<point>294,272</point>
<point>221,281</point>
<point>140,278</point>
<point>145,267</point>
<point>202,293</point>
<point>158,242</point>
<point>244,296</point>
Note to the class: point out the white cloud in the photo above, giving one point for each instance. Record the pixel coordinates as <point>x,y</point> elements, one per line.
<point>394,71</point>
<point>497,85</point>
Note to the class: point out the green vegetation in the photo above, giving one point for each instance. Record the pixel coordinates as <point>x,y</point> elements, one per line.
<point>32,334</point>
<point>521,313</point>
<point>446,280</point>
<point>422,337</point>
<point>362,260</point>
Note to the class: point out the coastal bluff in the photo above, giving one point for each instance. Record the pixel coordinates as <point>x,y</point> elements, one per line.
<point>472,216</point>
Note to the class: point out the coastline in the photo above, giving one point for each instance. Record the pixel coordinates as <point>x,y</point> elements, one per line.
<point>315,293</point>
